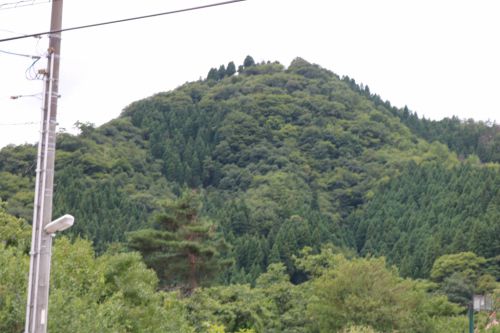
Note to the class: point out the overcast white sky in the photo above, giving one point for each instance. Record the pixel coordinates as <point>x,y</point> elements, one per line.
<point>441,58</point>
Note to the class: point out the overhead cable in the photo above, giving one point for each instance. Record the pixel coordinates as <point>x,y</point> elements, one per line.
<point>20,124</point>
<point>123,20</point>
<point>20,54</point>
<point>22,96</point>
<point>16,33</point>
<point>21,3</point>
<point>32,73</point>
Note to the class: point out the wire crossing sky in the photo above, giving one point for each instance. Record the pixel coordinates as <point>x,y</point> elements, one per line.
<point>93,25</point>
<point>21,3</point>
<point>438,57</point>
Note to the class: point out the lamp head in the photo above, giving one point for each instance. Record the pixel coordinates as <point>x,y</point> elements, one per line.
<point>62,223</point>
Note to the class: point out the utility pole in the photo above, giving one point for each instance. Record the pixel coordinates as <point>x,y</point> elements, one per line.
<point>41,241</point>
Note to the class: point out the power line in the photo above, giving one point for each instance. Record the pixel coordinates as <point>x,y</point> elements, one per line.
<point>123,20</point>
<point>20,54</point>
<point>21,3</point>
<point>20,124</point>
<point>16,3</point>
<point>31,73</point>
<point>14,32</point>
<point>22,96</point>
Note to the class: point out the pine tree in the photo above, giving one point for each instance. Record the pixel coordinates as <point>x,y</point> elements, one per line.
<point>183,249</point>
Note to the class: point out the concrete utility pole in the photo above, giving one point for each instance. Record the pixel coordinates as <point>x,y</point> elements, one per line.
<point>41,241</point>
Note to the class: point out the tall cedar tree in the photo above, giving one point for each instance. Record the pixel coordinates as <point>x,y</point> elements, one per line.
<point>248,62</point>
<point>183,249</point>
<point>213,74</point>
<point>231,69</point>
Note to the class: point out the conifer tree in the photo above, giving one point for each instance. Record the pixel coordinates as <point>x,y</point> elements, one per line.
<point>183,248</point>
<point>231,69</point>
<point>248,61</point>
<point>221,73</point>
<point>213,74</point>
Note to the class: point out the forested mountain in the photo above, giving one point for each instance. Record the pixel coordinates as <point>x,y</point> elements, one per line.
<point>465,137</point>
<point>429,211</point>
<point>284,157</point>
<point>115,292</point>
<point>274,160</point>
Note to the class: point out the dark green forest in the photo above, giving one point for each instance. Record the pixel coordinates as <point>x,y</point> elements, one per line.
<point>264,198</point>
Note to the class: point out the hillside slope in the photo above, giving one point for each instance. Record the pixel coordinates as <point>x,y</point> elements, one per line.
<point>283,156</point>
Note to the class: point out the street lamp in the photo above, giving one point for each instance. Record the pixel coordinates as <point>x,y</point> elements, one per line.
<point>62,223</point>
<point>39,278</point>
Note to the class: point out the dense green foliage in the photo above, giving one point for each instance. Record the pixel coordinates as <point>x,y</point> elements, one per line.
<point>112,293</point>
<point>465,137</point>
<point>116,293</point>
<point>103,177</point>
<point>429,211</point>
<point>363,291</point>
<point>14,265</point>
<point>287,157</point>
<point>183,249</point>
<point>282,159</point>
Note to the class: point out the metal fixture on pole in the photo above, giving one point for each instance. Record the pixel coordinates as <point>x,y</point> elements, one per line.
<point>41,241</point>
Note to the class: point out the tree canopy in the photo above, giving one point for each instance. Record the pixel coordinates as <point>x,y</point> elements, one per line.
<point>317,203</point>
